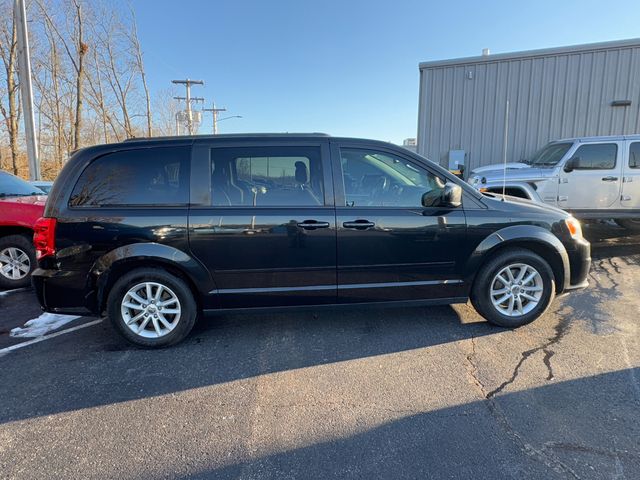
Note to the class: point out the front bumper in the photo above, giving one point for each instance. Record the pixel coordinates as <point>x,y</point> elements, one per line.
<point>62,291</point>
<point>579,253</point>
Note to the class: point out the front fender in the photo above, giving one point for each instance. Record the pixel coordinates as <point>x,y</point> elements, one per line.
<point>533,236</point>
<point>153,253</point>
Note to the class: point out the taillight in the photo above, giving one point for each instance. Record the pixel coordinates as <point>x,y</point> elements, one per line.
<point>44,237</point>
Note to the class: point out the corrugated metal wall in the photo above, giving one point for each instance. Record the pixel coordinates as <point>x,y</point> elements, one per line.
<point>552,94</point>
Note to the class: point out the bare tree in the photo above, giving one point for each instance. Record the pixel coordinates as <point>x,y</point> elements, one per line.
<point>76,49</point>
<point>8,53</point>
<point>81,51</point>
<point>97,97</point>
<point>89,77</point>
<point>50,83</point>
<point>135,42</point>
<point>166,109</point>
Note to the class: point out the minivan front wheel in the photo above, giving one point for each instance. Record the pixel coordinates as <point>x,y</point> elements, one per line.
<point>152,308</point>
<point>513,288</point>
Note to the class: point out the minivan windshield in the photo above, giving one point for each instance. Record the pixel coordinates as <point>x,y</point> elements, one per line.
<point>549,155</point>
<point>12,186</point>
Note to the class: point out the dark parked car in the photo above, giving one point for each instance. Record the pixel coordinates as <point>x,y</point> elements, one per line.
<point>158,231</point>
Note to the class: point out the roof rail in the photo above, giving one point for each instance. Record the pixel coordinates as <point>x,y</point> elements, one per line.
<point>227,135</point>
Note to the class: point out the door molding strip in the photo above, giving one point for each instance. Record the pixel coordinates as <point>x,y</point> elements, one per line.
<point>348,286</point>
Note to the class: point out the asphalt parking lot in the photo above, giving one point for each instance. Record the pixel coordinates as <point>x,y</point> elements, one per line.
<point>377,393</point>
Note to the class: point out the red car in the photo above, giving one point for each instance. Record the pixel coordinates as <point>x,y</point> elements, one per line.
<point>21,205</point>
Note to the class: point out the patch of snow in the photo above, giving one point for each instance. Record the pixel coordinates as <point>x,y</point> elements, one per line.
<point>42,325</point>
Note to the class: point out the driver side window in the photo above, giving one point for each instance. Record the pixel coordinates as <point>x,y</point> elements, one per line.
<point>380,179</point>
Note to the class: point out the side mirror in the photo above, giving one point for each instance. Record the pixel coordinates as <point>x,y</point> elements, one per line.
<point>572,164</point>
<point>450,196</point>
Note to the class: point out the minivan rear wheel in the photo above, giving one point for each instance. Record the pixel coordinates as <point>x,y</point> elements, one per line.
<point>513,288</point>
<point>152,308</point>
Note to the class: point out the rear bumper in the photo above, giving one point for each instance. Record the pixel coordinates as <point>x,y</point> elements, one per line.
<point>62,291</point>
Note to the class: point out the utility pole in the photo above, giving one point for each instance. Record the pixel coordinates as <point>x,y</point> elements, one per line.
<point>187,83</point>
<point>189,113</point>
<point>26,88</point>
<point>214,111</point>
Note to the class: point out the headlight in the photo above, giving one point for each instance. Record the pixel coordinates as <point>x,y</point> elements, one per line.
<point>575,229</point>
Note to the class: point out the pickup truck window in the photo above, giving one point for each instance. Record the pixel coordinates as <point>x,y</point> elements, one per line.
<point>634,155</point>
<point>596,156</point>
<point>550,155</point>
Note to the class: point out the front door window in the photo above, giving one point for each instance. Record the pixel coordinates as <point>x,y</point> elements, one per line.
<point>380,179</point>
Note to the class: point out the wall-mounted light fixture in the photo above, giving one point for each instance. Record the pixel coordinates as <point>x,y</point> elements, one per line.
<point>621,103</point>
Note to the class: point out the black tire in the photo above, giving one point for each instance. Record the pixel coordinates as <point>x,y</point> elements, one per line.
<point>481,296</point>
<point>631,224</point>
<point>24,244</point>
<point>176,286</point>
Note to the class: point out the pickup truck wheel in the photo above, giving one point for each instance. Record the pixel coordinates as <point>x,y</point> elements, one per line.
<point>152,308</point>
<point>513,288</point>
<point>631,224</point>
<point>17,261</point>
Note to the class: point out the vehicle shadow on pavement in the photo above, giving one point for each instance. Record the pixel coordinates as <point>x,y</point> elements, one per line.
<point>584,428</point>
<point>615,252</point>
<point>609,241</point>
<point>95,366</point>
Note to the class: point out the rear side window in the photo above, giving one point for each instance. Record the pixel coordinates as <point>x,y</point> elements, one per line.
<point>634,155</point>
<point>597,156</point>
<point>151,176</point>
<point>267,177</point>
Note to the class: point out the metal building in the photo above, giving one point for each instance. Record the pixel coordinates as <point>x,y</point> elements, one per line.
<point>553,93</point>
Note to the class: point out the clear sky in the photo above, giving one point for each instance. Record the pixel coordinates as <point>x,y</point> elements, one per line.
<point>347,67</point>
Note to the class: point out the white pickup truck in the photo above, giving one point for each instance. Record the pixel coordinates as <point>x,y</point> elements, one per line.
<point>591,177</point>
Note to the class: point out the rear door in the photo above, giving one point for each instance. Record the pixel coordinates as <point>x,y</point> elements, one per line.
<point>596,181</point>
<point>262,220</point>
<point>630,197</point>
<point>390,247</point>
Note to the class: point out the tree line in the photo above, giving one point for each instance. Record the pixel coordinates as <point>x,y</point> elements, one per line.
<point>89,80</point>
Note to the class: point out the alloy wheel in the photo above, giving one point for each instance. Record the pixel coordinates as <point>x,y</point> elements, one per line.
<point>516,290</point>
<point>14,263</point>
<point>150,309</point>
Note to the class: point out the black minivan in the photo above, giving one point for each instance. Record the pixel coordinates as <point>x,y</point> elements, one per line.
<point>156,232</point>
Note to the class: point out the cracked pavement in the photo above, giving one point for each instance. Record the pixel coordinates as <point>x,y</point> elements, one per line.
<point>377,393</point>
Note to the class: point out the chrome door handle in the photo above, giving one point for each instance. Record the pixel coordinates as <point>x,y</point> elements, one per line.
<point>359,224</point>
<point>609,179</point>
<point>313,224</point>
